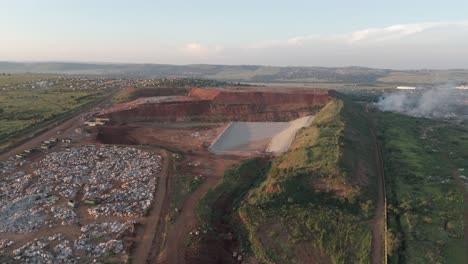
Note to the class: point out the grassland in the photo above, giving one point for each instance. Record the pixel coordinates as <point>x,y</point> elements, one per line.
<point>26,107</point>
<point>182,187</point>
<point>425,77</point>
<point>248,73</point>
<point>316,204</point>
<point>425,207</point>
<point>218,208</point>
<point>7,80</point>
<point>235,184</point>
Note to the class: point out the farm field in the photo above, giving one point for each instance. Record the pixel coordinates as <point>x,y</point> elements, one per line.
<point>29,103</point>
<point>424,165</point>
<point>317,199</point>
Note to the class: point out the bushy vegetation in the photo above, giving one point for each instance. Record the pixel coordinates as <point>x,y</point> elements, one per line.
<point>316,197</point>
<point>236,182</point>
<point>218,208</point>
<point>425,207</point>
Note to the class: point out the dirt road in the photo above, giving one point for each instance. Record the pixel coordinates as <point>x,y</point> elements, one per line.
<point>378,226</point>
<point>146,235</point>
<point>176,241</point>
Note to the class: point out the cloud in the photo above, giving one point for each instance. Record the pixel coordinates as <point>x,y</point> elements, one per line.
<point>387,33</point>
<point>398,31</point>
<point>369,35</point>
<point>199,50</point>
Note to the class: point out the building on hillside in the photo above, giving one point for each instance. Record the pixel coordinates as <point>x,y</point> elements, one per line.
<point>406,88</point>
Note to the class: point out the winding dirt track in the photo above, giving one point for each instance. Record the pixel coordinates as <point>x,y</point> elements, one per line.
<point>378,248</point>
<point>175,242</point>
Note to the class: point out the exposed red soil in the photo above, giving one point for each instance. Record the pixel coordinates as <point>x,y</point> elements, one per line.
<point>183,139</point>
<point>218,248</point>
<point>239,104</point>
<point>169,242</point>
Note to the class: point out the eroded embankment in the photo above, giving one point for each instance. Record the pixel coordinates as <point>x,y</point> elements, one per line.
<point>222,105</point>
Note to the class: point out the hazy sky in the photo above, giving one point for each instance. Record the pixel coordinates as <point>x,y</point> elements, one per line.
<point>384,34</point>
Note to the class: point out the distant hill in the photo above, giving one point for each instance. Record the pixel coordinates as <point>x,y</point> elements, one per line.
<point>244,73</point>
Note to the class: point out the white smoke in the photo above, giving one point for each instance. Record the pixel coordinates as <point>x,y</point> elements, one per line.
<point>431,103</point>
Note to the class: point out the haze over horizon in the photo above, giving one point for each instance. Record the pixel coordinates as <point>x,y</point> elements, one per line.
<point>396,35</point>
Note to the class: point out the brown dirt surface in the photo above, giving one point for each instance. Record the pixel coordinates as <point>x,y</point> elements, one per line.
<point>177,232</point>
<point>378,236</point>
<point>176,138</point>
<point>236,104</point>
<point>151,224</point>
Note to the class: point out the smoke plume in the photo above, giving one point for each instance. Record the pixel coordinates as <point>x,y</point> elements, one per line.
<point>429,103</point>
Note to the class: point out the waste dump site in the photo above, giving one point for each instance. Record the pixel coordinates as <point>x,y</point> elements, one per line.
<point>106,194</point>
<point>83,201</point>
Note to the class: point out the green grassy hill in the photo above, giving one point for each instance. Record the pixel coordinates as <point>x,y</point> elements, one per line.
<point>315,205</point>
<point>248,73</point>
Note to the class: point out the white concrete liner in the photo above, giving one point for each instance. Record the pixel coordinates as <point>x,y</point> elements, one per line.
<point>258,137</point>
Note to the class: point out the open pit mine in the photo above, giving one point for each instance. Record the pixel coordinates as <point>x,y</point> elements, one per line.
<point>226,104</point>
<point>245,120</point>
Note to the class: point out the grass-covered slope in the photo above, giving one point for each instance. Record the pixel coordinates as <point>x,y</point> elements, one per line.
<point>315,205</point>
<point>425,205</point>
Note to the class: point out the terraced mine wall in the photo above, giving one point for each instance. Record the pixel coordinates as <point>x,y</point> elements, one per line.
<point>217,105</point>
<point>164,112</point>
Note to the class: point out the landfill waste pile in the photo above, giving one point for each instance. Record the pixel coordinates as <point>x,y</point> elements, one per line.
<point>64,188</point>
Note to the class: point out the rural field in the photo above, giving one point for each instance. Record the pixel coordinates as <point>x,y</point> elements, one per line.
<point>234,132</point>
<point>197,171</point>
<point>31,103</point>
<point>321,77</point>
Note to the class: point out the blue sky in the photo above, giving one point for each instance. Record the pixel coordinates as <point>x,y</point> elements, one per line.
<point>388,34</point>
